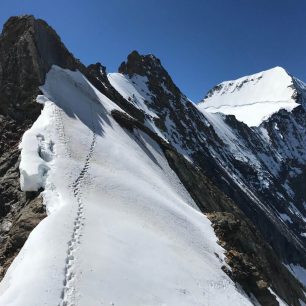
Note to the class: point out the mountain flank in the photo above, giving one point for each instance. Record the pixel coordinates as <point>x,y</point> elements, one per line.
<point>248,180</point>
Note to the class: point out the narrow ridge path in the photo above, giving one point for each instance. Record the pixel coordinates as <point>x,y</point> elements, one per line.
<point>68,292</point>
<point>60,128</point>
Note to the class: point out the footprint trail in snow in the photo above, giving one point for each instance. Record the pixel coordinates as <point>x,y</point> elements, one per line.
<point>68,294</point>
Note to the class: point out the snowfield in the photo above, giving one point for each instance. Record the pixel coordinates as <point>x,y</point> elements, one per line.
<point>121,229</point>
<point>252,99</point>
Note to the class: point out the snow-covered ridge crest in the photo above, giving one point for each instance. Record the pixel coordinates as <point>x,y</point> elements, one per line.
<point>122,219</point>
<point>253,99</point>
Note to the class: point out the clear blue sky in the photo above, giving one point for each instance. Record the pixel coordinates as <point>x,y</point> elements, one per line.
<point>200,42</point>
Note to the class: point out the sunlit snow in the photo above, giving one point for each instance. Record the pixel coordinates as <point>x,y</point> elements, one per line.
<point>252,99</point>
<point>121,229</point>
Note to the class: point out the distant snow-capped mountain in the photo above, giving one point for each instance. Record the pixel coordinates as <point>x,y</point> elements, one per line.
<point>253,99</point>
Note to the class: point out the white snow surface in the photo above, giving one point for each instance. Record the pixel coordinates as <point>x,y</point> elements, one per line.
<point>252,99</point>
<point>133,89</point>
<point>36,151</point>
<point>279,300</point>
<point>121,229</point>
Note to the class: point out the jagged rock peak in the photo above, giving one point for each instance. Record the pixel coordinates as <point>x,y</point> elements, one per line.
<point>18,25</point>
<point>28,49</point>
<point>139,64</point>
<point>148,66</point>
<point>27,33</point>
<point>97,69</point>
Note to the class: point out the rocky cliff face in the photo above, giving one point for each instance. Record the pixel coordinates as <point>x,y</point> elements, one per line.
<point>224,164</point>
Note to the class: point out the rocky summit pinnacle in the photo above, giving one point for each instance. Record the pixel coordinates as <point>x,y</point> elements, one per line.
<point>139,64</point>
<point>28,49</point>
<point>148,66</point>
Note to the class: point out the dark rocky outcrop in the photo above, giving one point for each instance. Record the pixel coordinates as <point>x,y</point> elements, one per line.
<point>28,49</point>
<point>19,228</point>
<point>253,263</point>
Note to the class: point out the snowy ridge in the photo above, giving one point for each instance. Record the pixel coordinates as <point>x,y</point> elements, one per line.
<point>254,156</point>
<point>254,98</point>
<point>118,221</point>
<point>68,293</point>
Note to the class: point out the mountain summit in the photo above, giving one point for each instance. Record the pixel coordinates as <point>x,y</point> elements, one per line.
<point>116,189</point>
<point>253,99</point>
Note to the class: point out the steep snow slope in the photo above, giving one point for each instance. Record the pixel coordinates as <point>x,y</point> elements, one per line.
<point>158,110</point>
<point>135,90</point>
<point>260,168</point>
<point>121,229</point>
<point>137,95</point>
<point>253,98</point>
